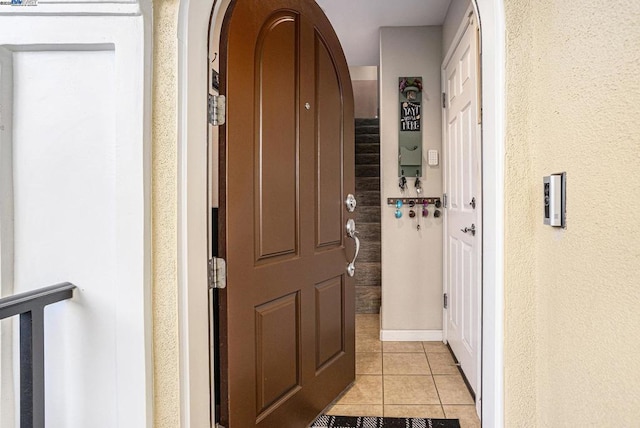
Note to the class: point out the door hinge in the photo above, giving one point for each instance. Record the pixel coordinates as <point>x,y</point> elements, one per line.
<point>444,200</point>
<point>217,273</point>
<point>216,110</point>
<point>446,301</point>
<point>444,100</point>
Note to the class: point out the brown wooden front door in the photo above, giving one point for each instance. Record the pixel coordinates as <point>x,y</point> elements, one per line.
<point>287,165</point>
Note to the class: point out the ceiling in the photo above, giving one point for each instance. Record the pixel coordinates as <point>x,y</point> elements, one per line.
<point>357,22</point>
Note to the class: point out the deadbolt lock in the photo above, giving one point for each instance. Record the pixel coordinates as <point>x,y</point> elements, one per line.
<point>350,203</point>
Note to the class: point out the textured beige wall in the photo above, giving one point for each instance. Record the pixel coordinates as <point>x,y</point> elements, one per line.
<point>164,216</point>
<point>572,296</point>
<point>520,219</point>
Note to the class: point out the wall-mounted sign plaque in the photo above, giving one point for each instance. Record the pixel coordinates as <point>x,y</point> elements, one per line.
<point>410,129</point>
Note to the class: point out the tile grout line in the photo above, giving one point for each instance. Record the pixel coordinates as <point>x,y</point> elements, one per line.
<point>426,354</point>
<point>382,371</point>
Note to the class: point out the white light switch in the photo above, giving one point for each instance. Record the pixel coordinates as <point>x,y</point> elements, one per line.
<point>432,157</point>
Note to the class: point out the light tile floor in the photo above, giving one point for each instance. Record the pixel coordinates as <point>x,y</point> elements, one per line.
<point>404,379</point>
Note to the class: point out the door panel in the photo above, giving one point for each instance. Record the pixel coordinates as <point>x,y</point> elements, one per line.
<point>328,148</point>
<point>276,137</point>
<point>277,350</point>
<point>453,275</point>
<point>287,163</point>
<point>329,320</point>
<point>453,171</point>
<point>468,141</point>
<point>463,186</point>
<point>467,284</point>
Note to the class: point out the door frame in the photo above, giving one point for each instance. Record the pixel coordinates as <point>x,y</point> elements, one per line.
<point>193,29</point>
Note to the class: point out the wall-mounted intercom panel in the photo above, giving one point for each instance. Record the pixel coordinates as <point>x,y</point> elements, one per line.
<point>555,199</point>
<point>432,157</point>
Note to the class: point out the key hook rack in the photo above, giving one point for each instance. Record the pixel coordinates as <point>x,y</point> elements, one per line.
<point>416,201</point>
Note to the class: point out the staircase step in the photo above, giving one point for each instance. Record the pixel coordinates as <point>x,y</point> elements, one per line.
<point>368,138</point>
<point>368,215</point>
<point>367,121</point>
<point>367,129</point>
<point>371,148</point>
<point>368,270</point>
<point>370,253</point>
<point>367,183</point>
<point>368,299</point>
<point>367,170</point>
<point>368,274</point>
<point>367,158</point>
<point>368,198</point>
<point>368,231</point>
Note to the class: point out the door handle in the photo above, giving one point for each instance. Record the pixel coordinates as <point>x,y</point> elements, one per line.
<point>351,233</point>
<point>471,229</point>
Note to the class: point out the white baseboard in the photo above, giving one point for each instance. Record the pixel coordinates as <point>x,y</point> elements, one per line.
<point>411,335</point>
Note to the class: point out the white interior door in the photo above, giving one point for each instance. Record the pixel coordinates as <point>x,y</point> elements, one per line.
<point>463,220</point>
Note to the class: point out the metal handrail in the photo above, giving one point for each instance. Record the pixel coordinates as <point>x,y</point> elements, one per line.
<point>30,307</point>
<point>24,302</point>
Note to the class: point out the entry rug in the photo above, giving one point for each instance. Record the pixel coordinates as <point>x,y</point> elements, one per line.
<point>326,421</point>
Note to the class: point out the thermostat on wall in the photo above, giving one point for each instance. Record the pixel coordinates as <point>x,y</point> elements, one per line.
<point>554,199</point>
<point>432,157</point>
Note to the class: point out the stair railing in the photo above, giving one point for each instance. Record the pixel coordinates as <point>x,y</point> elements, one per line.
<point>30,307</point>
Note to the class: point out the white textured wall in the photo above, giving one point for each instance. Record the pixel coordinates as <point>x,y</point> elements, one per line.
<point>78,216</point>
<point>572,296</point>
<point>79,190</point>
<point>63,188</point>
<point>411,259</point>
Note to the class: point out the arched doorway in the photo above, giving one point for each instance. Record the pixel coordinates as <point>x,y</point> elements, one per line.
<point>192,81</point>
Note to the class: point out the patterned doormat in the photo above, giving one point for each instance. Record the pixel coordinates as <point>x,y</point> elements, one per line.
<point>325,421</point>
